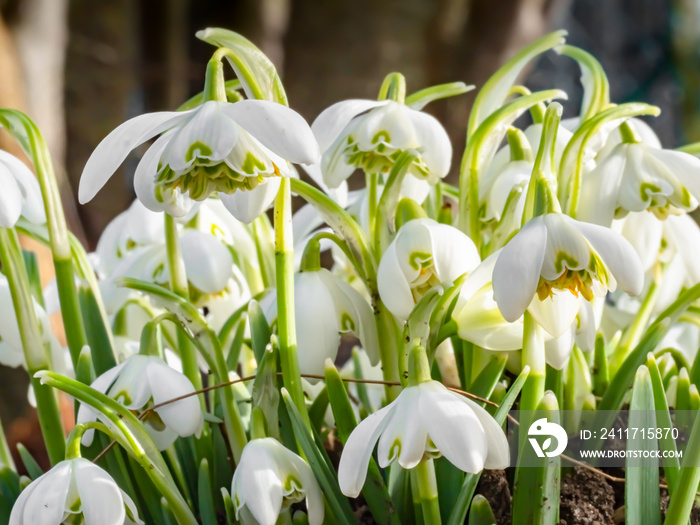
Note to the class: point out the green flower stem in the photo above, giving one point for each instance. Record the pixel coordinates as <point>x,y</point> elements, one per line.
<point>35,354</point>
<point>418,366</point>
<point>131,435</point>
<point>73,440</point>
<point>476,152</point>
<point>420,99</point>
<point>180,286</point>
<point>393,88</point>
<point>372,181</point>
<point>534,357</point>
<point>284,264</point>
<point>214,84</point>
<point>424,476</point>
<point>27,134</point>
<point>592,74</point>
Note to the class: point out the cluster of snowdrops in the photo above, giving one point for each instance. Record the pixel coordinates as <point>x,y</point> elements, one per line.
<point>204,331</point>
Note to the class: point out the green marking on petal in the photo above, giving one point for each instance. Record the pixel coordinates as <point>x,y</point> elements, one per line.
<point>647,189</point>
<point>564,260</point>
<point>420,260</point>
<point>346,323</point>
<point>251,163</point>
<point>381,136</point>
<point>197,150</point>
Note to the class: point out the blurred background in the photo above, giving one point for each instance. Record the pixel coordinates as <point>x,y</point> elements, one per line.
<point>79,68</point>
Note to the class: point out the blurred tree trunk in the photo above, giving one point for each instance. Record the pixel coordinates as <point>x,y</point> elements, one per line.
<point>100,89</point>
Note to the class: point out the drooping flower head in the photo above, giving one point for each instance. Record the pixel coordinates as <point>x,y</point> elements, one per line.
<point>74,491</point>
<point>423,253</point>
<point>555,252</point>
<point>218,147</point>
<point>268,479</point>
<point>142,381</point>
<point>21,195</point>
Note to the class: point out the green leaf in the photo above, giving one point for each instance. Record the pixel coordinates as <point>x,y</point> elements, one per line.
<point>327,478</point>
<point>487,379</point>
<point>228,507</point>
<point>317,410</point>
<point>536,491</point>
<point>207,512</point>
<point>98,335</point>
<point>33,468</point>
<point>254,70</point>
<point>422,98</point>
<point>642,498</point>
<point>663,420</point>
<point>259,330</point>
<point>600,367</point>
<point>480,512</point>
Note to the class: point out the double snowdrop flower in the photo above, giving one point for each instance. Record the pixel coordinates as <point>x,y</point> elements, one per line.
<point>554,254</point>
<point>423,253</point>
<point>21,194</point>
<point>425,421</point>
<point>74,491</point>
<point>370,135</point>
<point>326,307</point>
<point>142,381</point>
<point>640,176</point>
<point>270,478</point>
<point>217,148</point>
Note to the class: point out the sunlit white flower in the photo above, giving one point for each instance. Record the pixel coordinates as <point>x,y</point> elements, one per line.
<point>20,195</point>
<point>218,147</point>
<point>423,253</point>
<point>370,134</point>
<point>639,177</point>
<point>555,252</point>
<point>74,491</point>
<point>268,479</point>
<point>143,381</point>
<point>326,307</point>
<point>424,421</point>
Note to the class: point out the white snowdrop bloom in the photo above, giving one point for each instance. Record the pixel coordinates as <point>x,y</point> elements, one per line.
<point>218,147</point>
<point>143,381</point>
<point>326,307</point>
<point>640,177</point>
<point>370,135</point>
<point>425,421</point>
<point>270,478</point>
<point>21,194</point>
<point>74,491</point>
<point>555,252</point>
<point>423,253</point>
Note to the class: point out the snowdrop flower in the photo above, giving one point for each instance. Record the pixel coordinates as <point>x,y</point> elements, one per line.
<point>423,253</point>
<point>74,491</point>
<point>555,252</point>
<point>21,194</point>
<point>142,381</point>
<point>638,177</point>
<point>370,134</point>
<point>326,307</point>
<point>268,479</point>
<point>425,421</point>
<point>218,147</point>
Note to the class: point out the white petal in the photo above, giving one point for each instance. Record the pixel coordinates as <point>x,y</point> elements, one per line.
<point>331,122</point>
<point>208,127</point>
<point>45,498</point>
<point>684,233</point>
<point>454,428</point>
<point>393,285</point>
<point>246,206</point>
<point>207,261</point>
<point>256,482</point>
<point>499,453</point>
<point>301,470</point>
<point>278,128</point>
<point>516,273</point>
<point>100,497</point>
<point>392,441</point>
<point>317,323</point>
<point>414,188</point>
<point>644,231</point>
<point>453,252</point>
<point>434,143</point>
<point>600,192</point>
<point>32,202</point>
<point>183,416</point>
<point>85,412</point>
<point>558,350</point>
<point>617,254</point>
<point>682,165</point>
<point>10,199</point>
<point>566,247</point>
<point>556,314</point>
<point>354,460</point>
<point>115,147</point>
<point>130,387</point>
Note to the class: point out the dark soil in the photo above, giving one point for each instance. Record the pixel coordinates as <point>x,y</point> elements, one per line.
<point>493,485</point>
<point>586,499</point>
